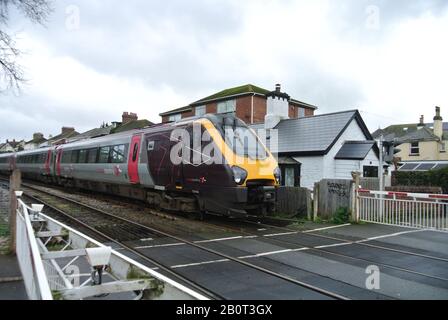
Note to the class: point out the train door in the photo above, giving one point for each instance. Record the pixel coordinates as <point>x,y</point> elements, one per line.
<point>133,159</point>
<point>159,162</point>
<point>58,161</point>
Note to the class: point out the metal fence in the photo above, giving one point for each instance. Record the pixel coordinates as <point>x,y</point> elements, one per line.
<point>29,258</point>
<point>415,210</point>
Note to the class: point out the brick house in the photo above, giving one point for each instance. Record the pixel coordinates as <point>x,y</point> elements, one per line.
<point>248,102</point>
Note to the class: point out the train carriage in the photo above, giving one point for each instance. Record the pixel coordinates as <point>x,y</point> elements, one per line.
<point>221,168</point>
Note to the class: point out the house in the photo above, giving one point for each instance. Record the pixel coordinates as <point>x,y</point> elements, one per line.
<point>12,146</point>
<point>66,134</point>
<point>419,142</point>
<point>130,121</point>
<point>38,139</point>
<point>327,146</point>
<point>247,102</point>
<point>310,147</point>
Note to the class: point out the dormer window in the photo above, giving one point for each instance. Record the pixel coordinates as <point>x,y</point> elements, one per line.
<point>200,111</point>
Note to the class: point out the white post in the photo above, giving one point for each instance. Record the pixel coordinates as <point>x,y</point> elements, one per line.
<point>381,176</point>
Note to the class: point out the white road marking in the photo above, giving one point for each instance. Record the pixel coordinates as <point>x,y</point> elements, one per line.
<point>327,228</point>
<point>262,229</point>
<point>217,240</point>
<point>147,239</point>
<point>265,254</point>
<point>388,236</point>
<point>162,245</point>
<point>281,234</point>
<point>333,245</point>
<point>199,263</point>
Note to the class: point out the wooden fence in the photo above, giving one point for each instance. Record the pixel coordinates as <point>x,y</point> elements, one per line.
<point>294,202</point>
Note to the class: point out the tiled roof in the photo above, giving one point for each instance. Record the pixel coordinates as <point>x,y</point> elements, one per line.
<point>403,130</point>
<point>236,91</point>
<point>136,124</point>
<point>61,136</point>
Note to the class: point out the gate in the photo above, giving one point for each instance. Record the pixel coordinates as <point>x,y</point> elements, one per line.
<point>414,210</point>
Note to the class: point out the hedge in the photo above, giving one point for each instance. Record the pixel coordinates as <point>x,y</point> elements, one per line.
<point>433,178</point>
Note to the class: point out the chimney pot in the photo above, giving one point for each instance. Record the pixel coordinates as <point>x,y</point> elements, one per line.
<point>278,87</point>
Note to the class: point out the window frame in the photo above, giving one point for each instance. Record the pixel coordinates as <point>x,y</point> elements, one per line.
<point>175,117</point>
<point>203,112</point>
<point>414,148</point>
<point>227,106</point>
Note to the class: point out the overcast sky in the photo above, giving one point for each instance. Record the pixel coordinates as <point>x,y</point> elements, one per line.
<point>95,59</point>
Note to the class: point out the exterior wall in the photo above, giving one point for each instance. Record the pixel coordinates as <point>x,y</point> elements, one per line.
<point>429,150</point>
<point>309,112</point>
<point>244,108</point>
<point>311,170</point>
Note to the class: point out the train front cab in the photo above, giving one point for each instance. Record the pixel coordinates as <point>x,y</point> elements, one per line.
<point>237,186</point>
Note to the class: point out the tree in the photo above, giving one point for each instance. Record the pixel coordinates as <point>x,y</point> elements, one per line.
<point>11,73</point>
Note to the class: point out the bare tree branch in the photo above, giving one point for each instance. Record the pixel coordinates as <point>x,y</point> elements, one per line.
<point>11,73</point>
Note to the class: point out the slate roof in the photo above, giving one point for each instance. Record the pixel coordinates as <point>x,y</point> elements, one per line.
<point>354,150</point>
<point>37,141</point>
<point>236,91</point>
<point>401,130</point>
<point>94,133</point>
<point>136,124</point>
<point>315,135</point>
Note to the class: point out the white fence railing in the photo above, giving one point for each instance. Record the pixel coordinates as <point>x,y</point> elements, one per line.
<point>45,270</point>
<point>415,210</point>
<point>29,258</point>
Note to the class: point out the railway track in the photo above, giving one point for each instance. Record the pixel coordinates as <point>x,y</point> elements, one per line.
<point>122,231</point>
<point>285,243</point>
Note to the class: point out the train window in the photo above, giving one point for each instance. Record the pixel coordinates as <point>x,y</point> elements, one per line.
<point>82,156</point>
<point>74,157</point>
<point>118,154</point>
<point>151,145</point>
<point>66,156</point>
<point>104,155</point>
<point>91,155</point>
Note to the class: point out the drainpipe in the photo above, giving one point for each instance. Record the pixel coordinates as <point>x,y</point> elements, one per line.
<point>252,109</point>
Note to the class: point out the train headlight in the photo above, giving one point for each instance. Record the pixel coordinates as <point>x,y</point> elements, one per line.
<point>239,175</point>
<point>278,175</point>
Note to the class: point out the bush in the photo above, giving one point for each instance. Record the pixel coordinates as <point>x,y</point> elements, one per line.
<point>341,216</point>
<point>435,178</point>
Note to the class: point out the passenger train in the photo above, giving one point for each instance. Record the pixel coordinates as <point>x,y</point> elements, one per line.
<point>223,168</point>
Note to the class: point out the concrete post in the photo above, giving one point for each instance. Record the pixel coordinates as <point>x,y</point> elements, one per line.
<point>14,185</point>
<point>355,203</point>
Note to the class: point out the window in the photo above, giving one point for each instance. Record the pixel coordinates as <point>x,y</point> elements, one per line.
<point>104,155</point>
<point>370,172</point>
<point>175,117</point>
<point>301,112</point>
<point>66,156</point>
<point>442,147</point>
<point>82,156</point>
<point>227,106</point>
<point>91,155</point>
<point>74,157</point>
<point>200,111</point>
<point>118,154</point>
<point>289,177</point>
<point>415,149</point>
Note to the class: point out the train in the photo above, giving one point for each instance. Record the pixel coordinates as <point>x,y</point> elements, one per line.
<point>208,164</point>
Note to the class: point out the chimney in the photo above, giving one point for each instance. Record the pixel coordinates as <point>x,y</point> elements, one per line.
<point>422,122</point>
<point>38,136</point>
<point>66,130</point>
<point>277,107</point>
<point>128,117</point>
<point>438,124</point>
